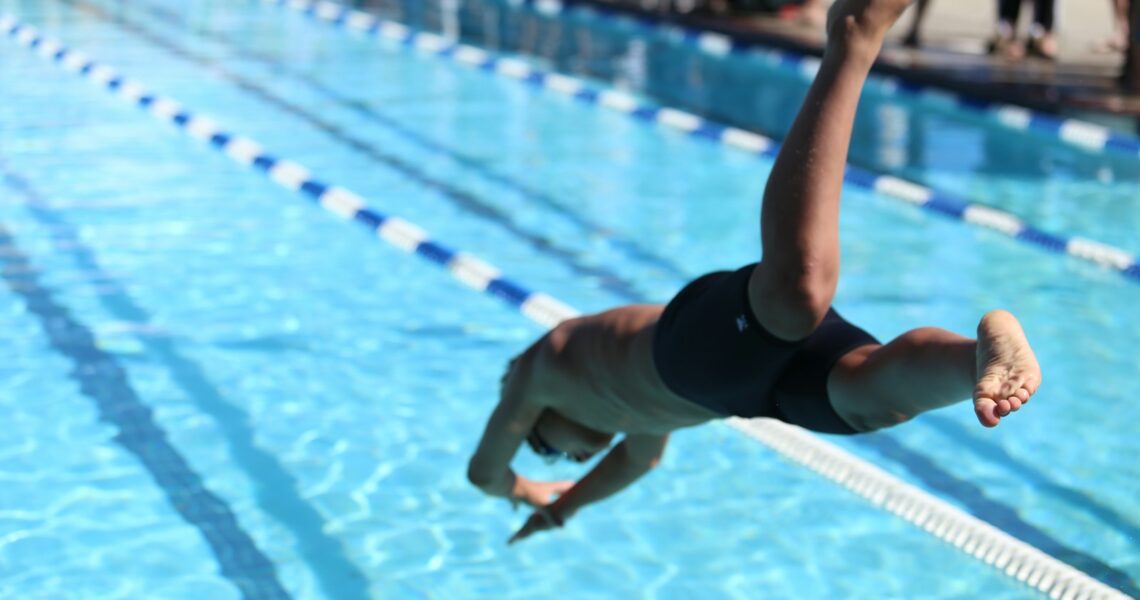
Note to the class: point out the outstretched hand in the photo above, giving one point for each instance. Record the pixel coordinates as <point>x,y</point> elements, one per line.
<point>540,495</point>
<point>542,519</point>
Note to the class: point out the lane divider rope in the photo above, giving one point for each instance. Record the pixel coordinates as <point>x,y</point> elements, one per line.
<point>1013,557</point>
<point>929,199</point>
<point>1074,132</point>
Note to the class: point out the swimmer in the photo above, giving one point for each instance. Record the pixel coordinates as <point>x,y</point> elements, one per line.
<point>760,341</point>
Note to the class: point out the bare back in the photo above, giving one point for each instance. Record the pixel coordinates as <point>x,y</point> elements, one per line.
<point>598,370</point>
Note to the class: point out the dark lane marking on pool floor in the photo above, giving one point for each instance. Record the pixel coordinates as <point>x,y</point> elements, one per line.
<point>102,379</point>
<point>276,489</point>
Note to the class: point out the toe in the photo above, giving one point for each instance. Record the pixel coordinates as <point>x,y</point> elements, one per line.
<point>984,409</point>
<point>1002,408</point>
<point>1014,403</point>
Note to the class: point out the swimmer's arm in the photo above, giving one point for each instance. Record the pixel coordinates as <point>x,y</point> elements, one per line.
<point>635,456</point>
<point>515,415</point>
<point>490,467</point>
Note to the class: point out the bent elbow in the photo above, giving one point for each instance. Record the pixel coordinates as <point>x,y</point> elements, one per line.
<point>478,477</point>
<point>644,464</point>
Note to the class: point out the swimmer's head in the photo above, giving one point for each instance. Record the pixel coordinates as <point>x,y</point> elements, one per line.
<point>555,437</point>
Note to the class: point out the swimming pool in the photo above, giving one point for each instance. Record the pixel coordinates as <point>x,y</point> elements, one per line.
<point>217,389</point>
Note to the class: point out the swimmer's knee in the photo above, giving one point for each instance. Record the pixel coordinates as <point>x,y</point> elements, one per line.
<point>857,394</point>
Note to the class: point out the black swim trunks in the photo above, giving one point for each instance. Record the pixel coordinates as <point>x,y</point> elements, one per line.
<point>710,349</point>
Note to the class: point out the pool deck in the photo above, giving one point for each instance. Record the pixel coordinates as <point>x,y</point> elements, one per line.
<point>1082,82</point>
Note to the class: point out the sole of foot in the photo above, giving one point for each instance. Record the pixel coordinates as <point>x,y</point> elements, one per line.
<point>1008,373</point>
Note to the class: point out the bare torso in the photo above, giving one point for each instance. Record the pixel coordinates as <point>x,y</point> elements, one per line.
<point>598,370</point>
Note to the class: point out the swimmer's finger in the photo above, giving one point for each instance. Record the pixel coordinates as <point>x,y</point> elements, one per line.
<point>518,536</point>
<point>535,523</point>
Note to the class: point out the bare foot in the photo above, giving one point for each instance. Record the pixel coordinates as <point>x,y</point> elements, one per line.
<point>1117,42</point>
<point>1008,373</point>
<point>851,20</point>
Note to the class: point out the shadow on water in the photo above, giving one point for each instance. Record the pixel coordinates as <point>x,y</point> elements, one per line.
<point>1028,471</point>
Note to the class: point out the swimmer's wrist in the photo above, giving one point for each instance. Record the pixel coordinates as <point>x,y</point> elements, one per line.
<point>555,516</point>
<point>560,511</point>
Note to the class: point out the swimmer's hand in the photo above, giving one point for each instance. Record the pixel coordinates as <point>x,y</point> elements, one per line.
<point>537,493</point>
<point>542,519</point>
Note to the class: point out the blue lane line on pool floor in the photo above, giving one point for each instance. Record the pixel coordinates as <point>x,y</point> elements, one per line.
<point>934,201</point>
<point>402,234</point>
<point>1072,132</point>
<point>277,491</point>
<point>102,379</point>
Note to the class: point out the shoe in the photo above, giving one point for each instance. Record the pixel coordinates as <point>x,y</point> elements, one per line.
<point>1005,45</point>
<point>1041,43</point>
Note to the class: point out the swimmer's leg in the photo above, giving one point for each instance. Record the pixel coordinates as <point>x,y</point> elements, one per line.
<point>878,386</point>
<point>792,289</point>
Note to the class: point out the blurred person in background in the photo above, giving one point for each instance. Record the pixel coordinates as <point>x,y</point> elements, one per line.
<point>1041,42</point>
<point>913,39</point>
<point>1118,40</point>
<point>1130,78</point>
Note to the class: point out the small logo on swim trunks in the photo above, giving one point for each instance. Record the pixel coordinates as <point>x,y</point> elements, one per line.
<point>741,323</point>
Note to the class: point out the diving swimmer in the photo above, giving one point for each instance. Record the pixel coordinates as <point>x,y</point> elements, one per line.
<point>760,341</point>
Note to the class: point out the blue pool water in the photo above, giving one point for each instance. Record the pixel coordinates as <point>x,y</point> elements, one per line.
<point>214,389</point>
